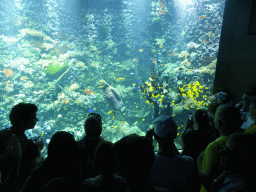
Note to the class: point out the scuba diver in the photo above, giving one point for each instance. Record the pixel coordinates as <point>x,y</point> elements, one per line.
<point>111,95</point>
<point>113,98</point>
<point>152,92</point>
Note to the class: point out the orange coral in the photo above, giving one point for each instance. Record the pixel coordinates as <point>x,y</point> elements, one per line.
<point>8,72</point>
<point>67,101</point>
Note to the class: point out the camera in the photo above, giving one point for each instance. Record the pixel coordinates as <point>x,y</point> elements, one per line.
<point>190,115</point>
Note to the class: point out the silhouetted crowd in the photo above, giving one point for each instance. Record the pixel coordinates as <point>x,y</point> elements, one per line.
<point>218,147</point>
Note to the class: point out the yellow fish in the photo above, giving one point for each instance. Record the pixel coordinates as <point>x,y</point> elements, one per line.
<point>115,127</point>
<point>133,84</point>
<point>140,50</point>
<point>160,47</point>
<point>136,106</point>
<point>143,119</point>
<point>178,134</point>
<point>147,102</point>
<point>120,79</point>
<point>110,112</point>
<point>100,87</point>
<point>154,50</point>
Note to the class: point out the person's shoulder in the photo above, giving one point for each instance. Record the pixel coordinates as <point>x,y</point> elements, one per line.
<point>160,189</point>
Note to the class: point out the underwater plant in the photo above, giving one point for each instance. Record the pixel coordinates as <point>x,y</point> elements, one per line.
<point>55,67</point>
<point>103,31</point>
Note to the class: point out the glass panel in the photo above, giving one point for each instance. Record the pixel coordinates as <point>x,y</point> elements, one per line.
<point>129,61</point>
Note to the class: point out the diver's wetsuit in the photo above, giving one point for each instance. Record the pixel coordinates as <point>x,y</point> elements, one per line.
<point>163,111</point>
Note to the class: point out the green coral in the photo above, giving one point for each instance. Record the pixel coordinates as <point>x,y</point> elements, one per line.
<point>103,31</point>
<point>56,67</point>
<point>160,42</point>
<point>156,22</point>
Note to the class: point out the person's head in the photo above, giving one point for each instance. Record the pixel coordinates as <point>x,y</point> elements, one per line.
<point>212,108</point>
<point>105,161</point>
<point>165,131</point>
<point>248,97</point>
<point>135,156</point>
<point>23,115</point>
<point>223,98</point>
<point>62,145</point>
<point>63,153</point>
<point>93,125</point>
<point>252,109</point>
<point>103,84</point>
<point>227,119</point>
<point>201,120</point>
<point>238,155</point>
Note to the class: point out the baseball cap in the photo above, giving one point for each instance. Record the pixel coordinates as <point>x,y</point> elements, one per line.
<point>165,127</point>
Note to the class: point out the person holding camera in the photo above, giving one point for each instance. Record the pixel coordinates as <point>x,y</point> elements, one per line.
<point>22,117</point>
<point>196,135</point>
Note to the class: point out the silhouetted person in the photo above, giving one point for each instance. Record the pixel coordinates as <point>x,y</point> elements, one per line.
<point>62,162</point>
<point>105,162</point>
<point>87,146</point>
<point>196,139</point>
<point>135,157</point>
<point>171,170</point>
<point>12,154</point>
<point>238,161</point>
<point>22,117</point>
<point>227,121</point>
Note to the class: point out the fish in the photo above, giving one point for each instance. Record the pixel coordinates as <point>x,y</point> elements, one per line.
<point>136,88</point>
<point>20,100</point>
<point>121,78</point>
<point>90,110</point>
<point>99,52</point>
<point>87,92</point>
<point>166,10</point>
<point>100,87</point>
<point>136,106</point>
<point>202,16</point>
<point>143,119</point>
<point>154,50</point>
<point>110,112</point>
<point>138,81</point>
<point>134,84</point>
<point>172,53</point>
<point>154,61</point>
<point>160,47</point>
<point>186,56</point>
<point>132,73</point>
<point>55,43</point>
<point>67,101</point>
<point>136,59</point>
<point>23,78</point>
<point>115,127</point>
<point>140,50</point>
<point>161,12</point>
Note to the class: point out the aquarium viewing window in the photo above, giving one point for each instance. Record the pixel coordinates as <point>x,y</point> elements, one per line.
<point>126,60</point>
